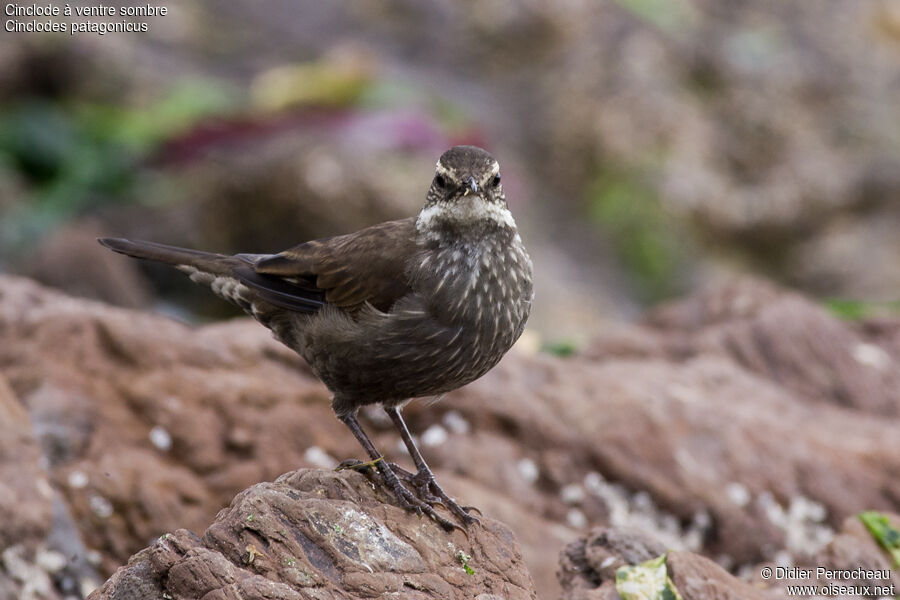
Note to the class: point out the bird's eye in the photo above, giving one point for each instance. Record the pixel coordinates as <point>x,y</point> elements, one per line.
<point>440,181</point>
<point>496,180</point>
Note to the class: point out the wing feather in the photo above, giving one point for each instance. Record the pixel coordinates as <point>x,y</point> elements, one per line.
<point>349,270</point>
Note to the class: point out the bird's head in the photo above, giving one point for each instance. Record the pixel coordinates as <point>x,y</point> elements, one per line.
<point>466,193</point>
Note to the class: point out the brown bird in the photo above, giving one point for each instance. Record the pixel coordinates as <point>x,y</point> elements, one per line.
<point>404,309</point>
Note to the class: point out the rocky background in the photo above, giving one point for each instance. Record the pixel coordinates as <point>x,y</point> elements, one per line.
<point>742,427</point>
<point>738,162</point>
<point>648,147</point>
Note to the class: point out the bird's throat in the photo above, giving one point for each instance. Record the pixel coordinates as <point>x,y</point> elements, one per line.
<point>468,215</point>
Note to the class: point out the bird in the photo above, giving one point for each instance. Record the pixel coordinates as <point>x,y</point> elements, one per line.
<point>405,309</point>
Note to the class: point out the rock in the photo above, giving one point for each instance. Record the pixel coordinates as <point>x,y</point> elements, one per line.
<point>784,189</point>
<point>784,338</point>
<point>70,259</point>
<point>25,503</point>
<point>853,547</point>
<point>148,425</point>
<point>588,568</point>
<point>25,494</point>
<point>676,426</point>
<point>323,534</point>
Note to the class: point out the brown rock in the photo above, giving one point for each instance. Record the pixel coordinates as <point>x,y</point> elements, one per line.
<point>784,338</point>
<point>25,493</point>
<point>25,502</point>
<point>161,424</point>
<point>699,578</point>
<point>853,548</point>
<point>588,568</point>
<point>70,260</point>
<point>324,534</point>
<point>675,427</point>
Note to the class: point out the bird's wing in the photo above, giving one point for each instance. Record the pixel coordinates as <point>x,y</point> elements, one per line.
<point>350,270</point>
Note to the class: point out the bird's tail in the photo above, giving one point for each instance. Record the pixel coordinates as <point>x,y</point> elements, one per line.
<point>231,277</point>
<point>208,262</point>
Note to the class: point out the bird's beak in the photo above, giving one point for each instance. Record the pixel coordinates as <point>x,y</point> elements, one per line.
<point>471,186</point>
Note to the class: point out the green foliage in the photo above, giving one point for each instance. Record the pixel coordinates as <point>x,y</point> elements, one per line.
<point>464,559</point>
<point>887,536</point>
<point>856,310</point>
<point>648,244</point>
<point>646,581</point>
<point>671,16</point>
<point>561,348</point>
<point>142,128</point>
<point>74,157</point>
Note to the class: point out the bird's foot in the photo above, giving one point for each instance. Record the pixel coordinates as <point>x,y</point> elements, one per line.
<point>407,499</point>
<point>428,490</point>
<point>358,465</point>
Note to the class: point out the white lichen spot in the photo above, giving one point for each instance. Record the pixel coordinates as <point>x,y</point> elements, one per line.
<point>783,558</point>
<point>455,422</point>
<point>638,511</point>
<point>87,585</point>
<point>593,482</point>
<point>161,438</point>
<point>319,458</point>
<point>607,562</point>
<point>738,493</point>
<point>528,469</point>
<point>50,561</point>
<point>802,523</point>
<point>576,519</point>
<point>100,506</point>
<point>572,493</point>
<point>773,511</point>
<point>695,533</point>
<point>873,356</point>
<point>35,581</point>
<point>44,488</point>
<point>78,480</point>
<point>435,436</point>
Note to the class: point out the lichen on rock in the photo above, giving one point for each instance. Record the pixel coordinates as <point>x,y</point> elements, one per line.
<point>323,534</point>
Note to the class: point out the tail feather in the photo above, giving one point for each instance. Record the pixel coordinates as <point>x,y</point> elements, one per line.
<point>209,262</point>
<point>230,277</point>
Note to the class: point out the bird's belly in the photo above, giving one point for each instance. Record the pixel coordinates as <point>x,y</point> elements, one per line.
<point>454,328</point>
<point>410,353</point>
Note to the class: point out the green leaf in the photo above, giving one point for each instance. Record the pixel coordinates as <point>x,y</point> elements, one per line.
<point>562,348</point>
<point>651,247</point>
<point>464,559</point>
<point>646,581</point>
<point>856,310</point>
<point>886,535</point>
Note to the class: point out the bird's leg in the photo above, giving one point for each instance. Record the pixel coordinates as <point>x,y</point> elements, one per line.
<point>423,480</point>
<point>406,498</point>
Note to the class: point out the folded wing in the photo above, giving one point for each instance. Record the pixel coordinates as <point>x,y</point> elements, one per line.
<point>346,271</point>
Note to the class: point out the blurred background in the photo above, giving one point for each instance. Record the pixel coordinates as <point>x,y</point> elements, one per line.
<point>648,147</point>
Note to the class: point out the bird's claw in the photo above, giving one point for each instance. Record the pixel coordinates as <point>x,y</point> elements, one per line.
<point>428,490</point>
<point>425,493</point>
<point>358,465</point>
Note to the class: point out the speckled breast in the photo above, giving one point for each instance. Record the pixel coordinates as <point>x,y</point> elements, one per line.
<point>469,306</point>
